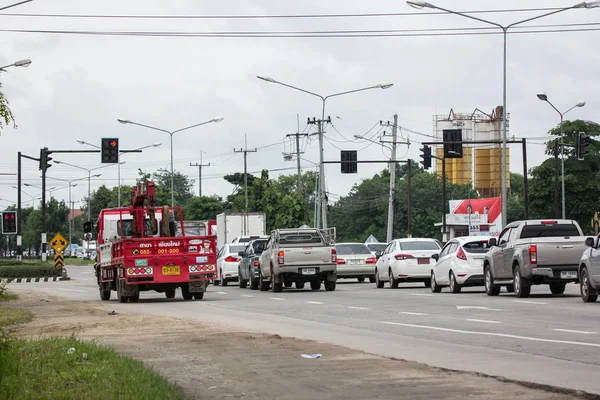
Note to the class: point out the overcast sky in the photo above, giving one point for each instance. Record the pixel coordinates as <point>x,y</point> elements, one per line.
<point>78,85</point>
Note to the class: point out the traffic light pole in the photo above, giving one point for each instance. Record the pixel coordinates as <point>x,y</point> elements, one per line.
<point>44,238</point>
<point>443,160</point>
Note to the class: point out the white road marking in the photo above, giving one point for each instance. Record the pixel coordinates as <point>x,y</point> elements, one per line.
<point>572,331</point>
<point>505,335</point>
<point>72,290</point>
<point>485,321</point>
<point>277,298</point>
<point>247,295</point>
<point>358,308</point>
<point>221,292</point>
<point>477,308</point>
<point>421,294</point>
<point>314,302</point>
<point>529,302</point>
<point>412,313</point>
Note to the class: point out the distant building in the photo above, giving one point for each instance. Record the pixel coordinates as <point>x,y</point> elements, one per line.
<point>481,164</point>
<point>74,213</point>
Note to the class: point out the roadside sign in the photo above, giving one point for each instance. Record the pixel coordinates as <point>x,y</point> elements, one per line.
<point>59,260</point>
<point>474,229</point>
<point>58,243</point>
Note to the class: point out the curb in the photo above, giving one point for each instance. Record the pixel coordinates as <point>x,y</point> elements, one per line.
<point>28,280</point>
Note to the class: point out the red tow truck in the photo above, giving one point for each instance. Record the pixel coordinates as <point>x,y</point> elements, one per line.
<point>140,248</point>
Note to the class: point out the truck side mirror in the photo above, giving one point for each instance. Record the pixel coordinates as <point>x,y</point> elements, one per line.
<point>492,242</point>
<point>590,242</point>
<point>87,227</point>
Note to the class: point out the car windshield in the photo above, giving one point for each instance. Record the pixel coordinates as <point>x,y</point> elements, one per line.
<point>479,246</point>
<point>419,245</point>
<point>549,230</point>
<point>258,245</point>
<point>377,246</point>
<point>352,248</point>
<point>236,248</point>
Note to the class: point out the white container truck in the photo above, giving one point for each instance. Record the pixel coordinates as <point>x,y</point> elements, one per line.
<point>231,225</point>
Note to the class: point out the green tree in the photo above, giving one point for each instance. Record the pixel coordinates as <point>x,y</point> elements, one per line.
<point>6,115</point>
<point>182,186</point>
<point>203,208</point>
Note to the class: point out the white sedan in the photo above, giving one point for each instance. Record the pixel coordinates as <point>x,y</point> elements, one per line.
<point>228,260</point>
<point>406,260</point>
<point>460,264</point>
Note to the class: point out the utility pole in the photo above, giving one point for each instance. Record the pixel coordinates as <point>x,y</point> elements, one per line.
<point>245,151</point>
<point>556,190</point>
<point>298,153</point>
<point>392,167</point>
<point>322,195</point>
<point>409,233</point>
<point>200,173</point>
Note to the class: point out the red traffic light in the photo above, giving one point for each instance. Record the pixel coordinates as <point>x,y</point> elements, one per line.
<point>113,143</point>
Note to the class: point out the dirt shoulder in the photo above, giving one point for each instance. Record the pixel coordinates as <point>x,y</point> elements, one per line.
<point>216,362</point>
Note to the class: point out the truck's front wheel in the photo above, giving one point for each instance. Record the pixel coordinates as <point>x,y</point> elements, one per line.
<point>104,295</point>
<point>330,286</point>
<point>490,289</point>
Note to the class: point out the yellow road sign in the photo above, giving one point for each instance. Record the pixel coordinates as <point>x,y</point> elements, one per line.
<point>59,260</point>
<point>58,242</point>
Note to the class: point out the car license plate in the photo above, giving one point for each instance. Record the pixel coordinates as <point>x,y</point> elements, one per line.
<point>354,262</point>
<point>568,274</point>
<point>170,270</point>
<point>423,261</point>
<point>309,271</point>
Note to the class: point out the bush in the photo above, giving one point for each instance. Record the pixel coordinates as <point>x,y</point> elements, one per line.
<point>29,271</point>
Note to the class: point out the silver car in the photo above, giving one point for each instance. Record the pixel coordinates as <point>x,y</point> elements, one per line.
<point>355,260</point>
<point>589,271</point>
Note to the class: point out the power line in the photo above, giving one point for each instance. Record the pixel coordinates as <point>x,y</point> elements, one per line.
<point>295,16</point>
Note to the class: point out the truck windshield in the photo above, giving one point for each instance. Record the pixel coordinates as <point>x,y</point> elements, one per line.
<point>128,228</point>
<point>549,230</point>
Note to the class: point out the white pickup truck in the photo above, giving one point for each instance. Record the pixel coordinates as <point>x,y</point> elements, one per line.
<point>534,252</point>
<point>299,256</point>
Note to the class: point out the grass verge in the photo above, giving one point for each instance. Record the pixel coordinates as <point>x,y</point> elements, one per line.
<point>8,296</point>
<point>67,368</point>
<point>13,316</point>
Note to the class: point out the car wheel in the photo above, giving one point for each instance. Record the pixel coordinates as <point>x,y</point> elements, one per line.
<point>378,282</point>
<point>315,285</point>
<point>522,290</point>
<point>372,279</point>
<point>557,288</point>
<point>262,284</point>
<point>490,289</point>
<point>253,283</point>
<point>198,296</point>
<point>299,285</point>
<point>223,280</point>
<point>216,283</point>
<point>330,286</point>
<point>393,281</point>
<point>586,288</point>
<point>454,286</point>
<point>170,293</point>
<point>277,287</point>
<point>104,295</point>
<point>510,288</point>
<point>242,283</point>
<point>185,292</point>
<point>361,279</point>
<point>288,284</point>
<point>435,288</point>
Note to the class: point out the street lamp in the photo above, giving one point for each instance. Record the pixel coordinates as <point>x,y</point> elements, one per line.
<point>119,164</point>
<point>422,4</point>
<point>544,97</point>
<point>89,171</point>
<point>33,198</point>
<point>320,126</point>
<point>21,63</point>
<point>71,185</point>
<point>171,133</point>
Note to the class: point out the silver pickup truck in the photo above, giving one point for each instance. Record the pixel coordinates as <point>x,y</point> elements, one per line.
<point>299,256</point>
<point>534,252</point>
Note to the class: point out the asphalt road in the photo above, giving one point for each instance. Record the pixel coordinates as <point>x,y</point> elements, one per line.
<point>545,339</point>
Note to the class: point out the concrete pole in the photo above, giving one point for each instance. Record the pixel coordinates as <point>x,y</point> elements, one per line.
<point>392,168</point>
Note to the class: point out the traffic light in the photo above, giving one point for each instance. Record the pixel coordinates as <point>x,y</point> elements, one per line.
<point>583,141</point>
<point>110,151</point>
<point>45,159</point>
<point>349,165</point>
<point>426,156</point>
<point>453,150</point>
<point>9,222</point>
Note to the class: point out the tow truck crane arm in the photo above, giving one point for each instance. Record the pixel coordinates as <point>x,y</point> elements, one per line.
<point>143,197</point>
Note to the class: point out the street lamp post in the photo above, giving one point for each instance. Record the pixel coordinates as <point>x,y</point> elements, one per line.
<point>33,198</point>
<point>322,187</point>
<point>544,97</point>
<point>171,133</point>
<point>71,185</point>
<point>20,63</point>
<point>422,4</point>
<point>119,163</point>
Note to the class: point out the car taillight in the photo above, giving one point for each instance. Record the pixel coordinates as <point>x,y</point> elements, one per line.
<point>256,263</point>
<point>231,259</point>
<point>341,261</point>
<point>403,256</point>
<point>549,222</point>
<point>333,255</point>
<point>460,254</point>
<point>532,254</point>
<point>371,260</point>
<point>280,257</point>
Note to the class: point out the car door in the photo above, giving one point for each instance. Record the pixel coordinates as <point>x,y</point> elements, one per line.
<point>499,255</point>
<point>443,266</point>
<point>264,257</point>
<point>594,264</point>
<point>383,264</point>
